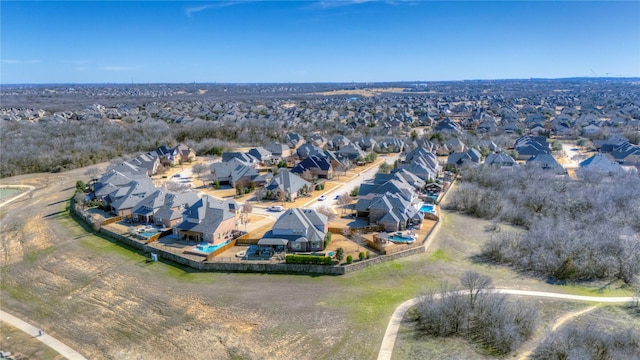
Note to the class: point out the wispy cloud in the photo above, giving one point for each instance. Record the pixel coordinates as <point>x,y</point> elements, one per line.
<point>14,61</point>
<point>118,68</point>
<point>218,5</point>
<point>330,4</point>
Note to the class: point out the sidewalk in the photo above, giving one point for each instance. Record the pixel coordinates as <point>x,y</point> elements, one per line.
<point>48,340</point>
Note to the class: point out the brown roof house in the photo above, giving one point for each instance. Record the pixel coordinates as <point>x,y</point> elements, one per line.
<point>185,153</point>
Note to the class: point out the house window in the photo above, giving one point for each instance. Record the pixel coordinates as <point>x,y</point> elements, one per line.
<point>295,246</point>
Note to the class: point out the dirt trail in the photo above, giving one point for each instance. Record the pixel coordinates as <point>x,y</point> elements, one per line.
<point>533,343</point>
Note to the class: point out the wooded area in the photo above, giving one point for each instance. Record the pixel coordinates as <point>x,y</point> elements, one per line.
<point>490,320</point>
<point>575,229</point>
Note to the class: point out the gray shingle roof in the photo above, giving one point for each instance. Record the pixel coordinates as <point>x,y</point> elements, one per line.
<point>288,182</point>
<point>296,223</point>
<point>207,213</point>
<point>601,163</point>
<point>499,159</point>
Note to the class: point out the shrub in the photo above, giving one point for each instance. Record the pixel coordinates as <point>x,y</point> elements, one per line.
<point>308,259</point>
<point>339,254</point>
<point>349,259</point>
<point>327,240</point>
<point>368,255</point>
<point>361,256</point>
<point>590,341</point>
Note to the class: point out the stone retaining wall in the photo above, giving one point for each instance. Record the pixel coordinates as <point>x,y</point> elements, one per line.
<point>359,265</point>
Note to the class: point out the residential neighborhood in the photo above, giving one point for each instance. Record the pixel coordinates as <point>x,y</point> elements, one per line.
<point>332,185</point>
<point>320,180</point>
<point>239,200</point>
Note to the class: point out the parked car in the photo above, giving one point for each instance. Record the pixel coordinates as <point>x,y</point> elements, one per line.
<point>275,208</point>
<point>322,198</point>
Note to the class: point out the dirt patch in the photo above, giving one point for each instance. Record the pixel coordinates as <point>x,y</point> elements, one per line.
<point>362,92</point>
<point>21,237</point>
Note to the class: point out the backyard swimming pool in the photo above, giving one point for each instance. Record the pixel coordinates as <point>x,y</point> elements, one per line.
<point>208,248</point>
<point>149,233</point>
<point>426,208</point>
<point>401,239</point>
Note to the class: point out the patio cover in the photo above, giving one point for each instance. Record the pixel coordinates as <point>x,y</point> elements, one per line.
<point>272,241</point>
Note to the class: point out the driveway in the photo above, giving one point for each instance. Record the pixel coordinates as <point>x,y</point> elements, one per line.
<point>573,153</point>
<point>365,174</point>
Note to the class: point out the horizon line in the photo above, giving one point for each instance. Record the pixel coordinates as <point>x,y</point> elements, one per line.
<point>327,82</point>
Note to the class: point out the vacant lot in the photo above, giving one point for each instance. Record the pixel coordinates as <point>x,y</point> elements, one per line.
<point>109,302</point>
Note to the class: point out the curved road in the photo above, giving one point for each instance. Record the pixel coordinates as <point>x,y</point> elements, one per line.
<point>48,340</point>
<point>389,340</point>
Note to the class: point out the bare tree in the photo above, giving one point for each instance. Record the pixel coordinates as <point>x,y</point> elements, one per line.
<point>344,200</point>
<point>92,172</point>
<point>326,212</point>
<point>260,193</point>
<point>476,284</point>
<point>495,323</point>
<point>176,186</point>
<point>80,198</point>
<point>246,210</point>
<point>199,170</point>
<point>590,341</point>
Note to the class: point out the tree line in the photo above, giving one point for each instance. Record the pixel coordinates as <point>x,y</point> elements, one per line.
<point>575,229</point>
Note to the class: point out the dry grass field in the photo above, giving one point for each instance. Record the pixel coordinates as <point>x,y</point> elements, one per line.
<point>108,301</point>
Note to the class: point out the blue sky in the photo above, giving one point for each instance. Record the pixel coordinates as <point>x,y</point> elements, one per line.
<point>306,41</point>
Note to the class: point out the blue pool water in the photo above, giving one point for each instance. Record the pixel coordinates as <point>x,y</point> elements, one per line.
<point>401,239</point>
<point>148,233</point>
<point>208,248</point>
<point>427,209</point>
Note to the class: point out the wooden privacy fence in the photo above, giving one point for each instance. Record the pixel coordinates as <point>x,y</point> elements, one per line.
<point>157,236</point>
<point>220,250</point>
<point>362,230</point>
<point>111,220</point>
